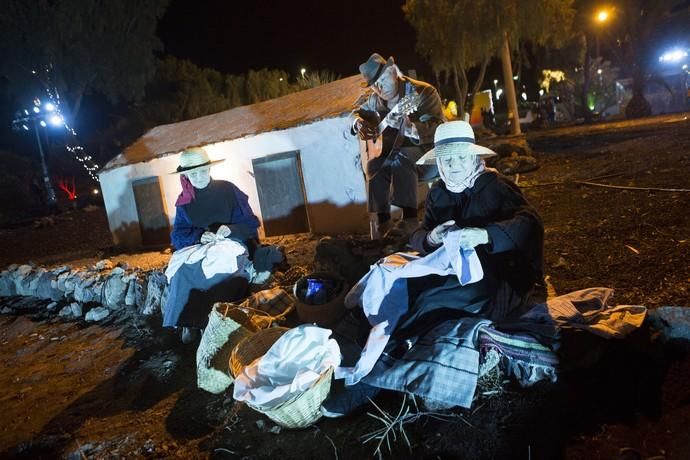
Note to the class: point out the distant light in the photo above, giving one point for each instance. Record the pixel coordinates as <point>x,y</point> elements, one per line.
<point>26,112</point>
<point>602,16</point>
<point>495,82</point>
<point>673,56</point>
<point>280,79</point>
<point>515,77</point>
<point>95,191</point>
<point>33,72</point>
<point>685,66</point>
<point>56,120</point>
<point>302,71</point>
<point>599,71</point>
<point>37,110</point>
<point>50,107</point>
<point>499,91</point>
<point>26,128</point>
<point>541,92</point>
<point>524,96</point>
<point>43,123</point>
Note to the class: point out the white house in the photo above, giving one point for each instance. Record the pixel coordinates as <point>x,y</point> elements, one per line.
<point>294,156</point>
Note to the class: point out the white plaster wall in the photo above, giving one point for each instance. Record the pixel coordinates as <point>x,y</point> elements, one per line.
<point>333,180</point>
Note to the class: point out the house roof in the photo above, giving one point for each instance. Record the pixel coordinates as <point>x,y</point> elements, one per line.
<point>326,101</point>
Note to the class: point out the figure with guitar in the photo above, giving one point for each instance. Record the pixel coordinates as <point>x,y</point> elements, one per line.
<point>397,117</point>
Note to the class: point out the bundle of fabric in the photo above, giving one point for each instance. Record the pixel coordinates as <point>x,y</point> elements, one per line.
<point>521,356</point>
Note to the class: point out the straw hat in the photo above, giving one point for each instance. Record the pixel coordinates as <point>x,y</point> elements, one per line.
<point>373,68</point>
<point>193,158</point>
<point>454,138</point>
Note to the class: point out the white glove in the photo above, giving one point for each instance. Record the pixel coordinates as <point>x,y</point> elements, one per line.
<point>222,232</point>
<point>207,237</point>
<point>435,237</point>
<point>471,237</point>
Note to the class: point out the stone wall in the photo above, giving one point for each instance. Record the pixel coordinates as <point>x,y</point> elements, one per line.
<point>96,291</point>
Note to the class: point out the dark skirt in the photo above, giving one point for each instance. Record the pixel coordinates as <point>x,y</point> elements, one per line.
<point>191,295</point>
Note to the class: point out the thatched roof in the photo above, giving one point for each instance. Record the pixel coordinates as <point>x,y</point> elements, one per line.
<point>327,101</point>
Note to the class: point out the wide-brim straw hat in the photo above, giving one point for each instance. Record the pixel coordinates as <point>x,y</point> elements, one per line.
<point>454,138</point>
<point>193,158</point>
<point>372,69</point>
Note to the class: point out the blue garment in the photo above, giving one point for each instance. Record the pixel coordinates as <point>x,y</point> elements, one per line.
<point>223,203</point>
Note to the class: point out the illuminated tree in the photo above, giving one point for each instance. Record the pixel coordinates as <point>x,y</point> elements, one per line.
<point>458,35</point>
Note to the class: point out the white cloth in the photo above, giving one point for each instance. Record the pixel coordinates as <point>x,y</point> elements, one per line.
<point>384,301</point>
<point>219,256</point>
<point>292,365</point>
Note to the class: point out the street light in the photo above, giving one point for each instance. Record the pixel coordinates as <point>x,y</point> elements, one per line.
<point>600,17</point>
<point>25,118</point>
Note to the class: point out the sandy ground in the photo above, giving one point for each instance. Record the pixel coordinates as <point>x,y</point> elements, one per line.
<point>126,388</point>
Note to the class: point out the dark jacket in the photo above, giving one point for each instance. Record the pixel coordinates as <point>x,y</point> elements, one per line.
<point>220,203</point>
<point>513,258</point>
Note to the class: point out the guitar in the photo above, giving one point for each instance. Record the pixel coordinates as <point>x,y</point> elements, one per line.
<point>405,106</point>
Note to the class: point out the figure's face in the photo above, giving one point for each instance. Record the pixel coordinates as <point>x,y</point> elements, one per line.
<point>386,86</point>
<point>459,166</point>
<point>199,177</point>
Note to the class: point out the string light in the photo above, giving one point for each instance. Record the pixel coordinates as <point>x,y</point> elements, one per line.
<point>53,106</point>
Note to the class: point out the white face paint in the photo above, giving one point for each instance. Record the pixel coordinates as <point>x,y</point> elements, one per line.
<point>386,86</point>
<point>459,171</point>
<point>199,177</point>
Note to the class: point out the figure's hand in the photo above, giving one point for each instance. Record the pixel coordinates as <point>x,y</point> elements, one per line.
<point>471,237</point>
<point>207,237</point>
<point>366,130</point>
<point>435,237</point>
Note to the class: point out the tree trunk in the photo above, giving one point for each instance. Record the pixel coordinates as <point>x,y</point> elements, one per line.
<point>586,83</point>
<point>460,90</point>
<point>477,85</point>
<point>513,114</point>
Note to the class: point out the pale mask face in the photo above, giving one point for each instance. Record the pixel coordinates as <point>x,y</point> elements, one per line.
<point>199,177</point>
<point>386,86</point>
<point>458,167</point>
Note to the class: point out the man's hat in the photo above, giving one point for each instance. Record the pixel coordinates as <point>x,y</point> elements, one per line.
<point>193,158</point>
<point>373,68</point>
<point>454,138</point>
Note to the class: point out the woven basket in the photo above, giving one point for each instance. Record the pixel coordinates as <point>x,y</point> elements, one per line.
<point>303,409</point>
<point>253,347</point>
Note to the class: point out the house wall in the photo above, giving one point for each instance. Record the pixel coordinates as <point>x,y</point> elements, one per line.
<point>333,181</point>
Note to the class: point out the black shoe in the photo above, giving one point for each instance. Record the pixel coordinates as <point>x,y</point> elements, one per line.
<point>189,335</point>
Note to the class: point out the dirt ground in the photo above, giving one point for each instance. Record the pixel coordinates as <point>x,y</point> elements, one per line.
<point>126,388</point>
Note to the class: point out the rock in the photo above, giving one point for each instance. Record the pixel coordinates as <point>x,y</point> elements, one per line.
<point>59,270</point>
<point>51,306</point>
<point>61,279</point>
<point>156,292</point>
<point>83,290</point>
<point>117,271</point>
<point>114,291</point>
<point>104,264</point>
<point>72,310</point>
<point>7,286</point>
<point>47,287</point>
<point>97,314</point>
<point>6,311</point>
<point>673,323</point>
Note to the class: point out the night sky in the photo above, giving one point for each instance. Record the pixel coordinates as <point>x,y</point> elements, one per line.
<point>234,37</point>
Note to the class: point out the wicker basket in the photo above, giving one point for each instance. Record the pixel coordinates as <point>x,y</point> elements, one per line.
<point>253,347</point>
<point>303,409</point>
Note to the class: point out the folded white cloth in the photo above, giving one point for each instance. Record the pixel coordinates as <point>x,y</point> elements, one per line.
<point>292,365</point>
<point>219,256</point>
